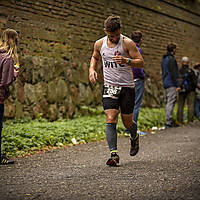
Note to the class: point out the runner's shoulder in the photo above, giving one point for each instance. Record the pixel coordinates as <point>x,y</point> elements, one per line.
<point>128,43</point>
<point>98,44</point>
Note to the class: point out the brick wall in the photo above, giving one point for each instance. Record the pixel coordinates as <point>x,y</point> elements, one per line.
<point>65,31</point>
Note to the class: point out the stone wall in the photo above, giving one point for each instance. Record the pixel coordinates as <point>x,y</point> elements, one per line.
<point>56,43</point>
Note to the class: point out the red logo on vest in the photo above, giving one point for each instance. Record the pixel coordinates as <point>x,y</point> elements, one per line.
<point>117,53</point>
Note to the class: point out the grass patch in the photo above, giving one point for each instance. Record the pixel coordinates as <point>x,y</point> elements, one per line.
<point>24,136</point>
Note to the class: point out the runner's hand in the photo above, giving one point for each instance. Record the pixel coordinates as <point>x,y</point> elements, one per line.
<point>120,59</point>
<point>93,76</point>
<point>178,89</point>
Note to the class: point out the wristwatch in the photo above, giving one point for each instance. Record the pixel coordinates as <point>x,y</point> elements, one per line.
<point>129,61</point>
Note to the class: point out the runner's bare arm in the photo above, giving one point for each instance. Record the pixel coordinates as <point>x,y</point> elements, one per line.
<point>136,59</point>
<point>93,62</point>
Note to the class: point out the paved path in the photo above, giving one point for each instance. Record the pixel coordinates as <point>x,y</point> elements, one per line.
<point>167,167</point>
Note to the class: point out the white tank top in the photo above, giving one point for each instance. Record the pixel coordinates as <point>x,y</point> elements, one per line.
<point>115,74</point>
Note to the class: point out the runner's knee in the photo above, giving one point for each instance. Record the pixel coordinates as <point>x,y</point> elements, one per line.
<point>127,120</point>
<point>111,117</point>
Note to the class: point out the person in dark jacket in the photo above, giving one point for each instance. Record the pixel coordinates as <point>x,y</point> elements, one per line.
<point>8,59</point>
<point>188,83</point>
<point>197,91</point>
<point>170,83</point>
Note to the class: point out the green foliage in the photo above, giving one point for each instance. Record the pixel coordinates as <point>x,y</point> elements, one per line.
<point>23,136</point>
<point>149,117</point>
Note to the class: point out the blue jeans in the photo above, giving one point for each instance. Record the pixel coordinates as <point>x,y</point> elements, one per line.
<point>197,108</point>
<point>1,122</point>
<point>139,91</point>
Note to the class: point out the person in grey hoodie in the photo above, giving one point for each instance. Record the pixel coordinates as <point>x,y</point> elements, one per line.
<point>8,74</point>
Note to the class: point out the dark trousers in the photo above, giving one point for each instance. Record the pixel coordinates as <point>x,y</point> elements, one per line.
<point>197,108</point>
<point>1,122</point>
<point>182,98</point>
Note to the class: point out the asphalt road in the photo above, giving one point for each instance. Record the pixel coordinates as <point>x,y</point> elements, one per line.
<point>166,167</point>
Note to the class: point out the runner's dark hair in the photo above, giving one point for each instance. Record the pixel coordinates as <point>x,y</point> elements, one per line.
<point>112,23</point>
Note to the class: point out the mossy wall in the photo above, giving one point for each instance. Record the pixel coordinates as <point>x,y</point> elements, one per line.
<point>56,43</point>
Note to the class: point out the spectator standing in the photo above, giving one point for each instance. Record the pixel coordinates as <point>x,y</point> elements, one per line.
<point>139,80</point>
<point>170,83</point>
<point>188,83</point>
<point>197,91</point>
<point>8,58</point>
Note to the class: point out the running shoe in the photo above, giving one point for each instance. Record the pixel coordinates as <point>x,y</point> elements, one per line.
<point>113,160</point>
<point>134,145</point>
<point>127,133</point>
<point>5,161</point>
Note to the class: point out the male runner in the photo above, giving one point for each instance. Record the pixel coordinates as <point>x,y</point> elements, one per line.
<point>118,54</point>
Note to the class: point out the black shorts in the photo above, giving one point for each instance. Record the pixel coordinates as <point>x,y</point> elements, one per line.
<point>119,97</point>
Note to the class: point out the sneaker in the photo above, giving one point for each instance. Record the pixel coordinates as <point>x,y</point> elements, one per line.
<point>127,134</point>
<point>174,124</point>
<point>134,145</point>
<point>167,126</point>
<point>6,161</point>
<point>141,133</point>
<point>113,160</point>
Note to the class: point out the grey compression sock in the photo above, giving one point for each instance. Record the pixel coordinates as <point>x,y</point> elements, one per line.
<point>111,136</point>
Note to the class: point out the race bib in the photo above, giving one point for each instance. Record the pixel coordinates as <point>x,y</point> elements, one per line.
<point>111,91</point>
